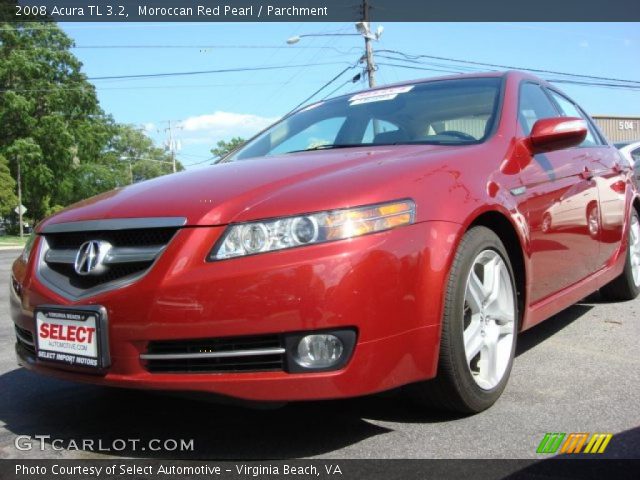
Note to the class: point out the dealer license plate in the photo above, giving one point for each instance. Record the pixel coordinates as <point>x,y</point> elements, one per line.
<point>71,335</point>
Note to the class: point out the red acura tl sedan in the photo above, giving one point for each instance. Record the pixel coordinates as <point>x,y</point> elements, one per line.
<point>400,236</point>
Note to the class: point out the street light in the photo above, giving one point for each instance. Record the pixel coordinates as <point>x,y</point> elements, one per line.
<point>364,31</point>
<point>296,38</point>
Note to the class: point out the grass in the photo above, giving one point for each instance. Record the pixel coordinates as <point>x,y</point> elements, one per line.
<point>6,240</point>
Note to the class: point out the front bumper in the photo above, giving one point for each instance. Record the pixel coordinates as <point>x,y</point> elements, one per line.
<point>388,286</point>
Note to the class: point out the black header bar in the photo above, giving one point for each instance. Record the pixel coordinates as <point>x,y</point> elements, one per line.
<point>321,10</point>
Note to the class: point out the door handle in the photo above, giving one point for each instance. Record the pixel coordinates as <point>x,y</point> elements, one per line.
<point>586,174</point>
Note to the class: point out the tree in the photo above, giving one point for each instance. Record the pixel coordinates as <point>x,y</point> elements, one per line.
<point>47,111</point>
<point>223,147</point>
<point>8,198</point>
<point>51,122</point>
<point>130,145</point>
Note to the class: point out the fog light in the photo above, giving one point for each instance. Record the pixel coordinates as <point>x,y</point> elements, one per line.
<point>319,351</point>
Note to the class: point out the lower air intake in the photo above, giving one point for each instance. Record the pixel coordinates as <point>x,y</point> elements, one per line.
<point>219,355</point>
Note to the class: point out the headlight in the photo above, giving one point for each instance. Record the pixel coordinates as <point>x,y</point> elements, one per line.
<point>280,233</point>
<point>28,246</point>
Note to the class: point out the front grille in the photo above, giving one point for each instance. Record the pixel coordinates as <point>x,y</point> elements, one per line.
<point>239,354</point>
<point>114,273</point>
<point>118,238</point>
<point>125,255</point>
<point>25,339</point>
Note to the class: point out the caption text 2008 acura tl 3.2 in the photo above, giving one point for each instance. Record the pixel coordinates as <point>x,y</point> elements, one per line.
<point>400,236</point>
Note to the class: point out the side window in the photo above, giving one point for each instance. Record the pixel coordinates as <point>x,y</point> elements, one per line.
<point>635,154</point>
<point>568,109</point>
<point>534,104</point>
<point>324,132</point>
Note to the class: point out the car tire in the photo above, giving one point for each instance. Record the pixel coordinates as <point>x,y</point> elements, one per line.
<point>470,386</point>
<point>627,285</point>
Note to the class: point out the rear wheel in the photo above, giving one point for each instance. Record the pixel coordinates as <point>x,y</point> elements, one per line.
<point>627,285</point>
<point>479,328</point>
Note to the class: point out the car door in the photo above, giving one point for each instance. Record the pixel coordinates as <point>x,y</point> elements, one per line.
<point>609,174</point>
<point>557,196</point>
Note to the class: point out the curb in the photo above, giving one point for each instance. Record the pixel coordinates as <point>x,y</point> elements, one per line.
<point>11,247</point>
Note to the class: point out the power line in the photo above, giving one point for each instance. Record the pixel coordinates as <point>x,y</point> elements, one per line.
<point>567,81</point>
<point>216,46</point>
<point>342,72</point>
<point>206,72</point>
<point>145,87</point>
<point>461,68</point>
<point>411,67</point>
<point>194,155</point>
<point>508,67</point>
<point>341,51</point>
<point>351,80</point>
<point>201,162</point>
<point>595,84</point>
<point>327,41</point>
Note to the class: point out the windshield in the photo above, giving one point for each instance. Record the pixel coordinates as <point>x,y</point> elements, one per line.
<point>445,112</point>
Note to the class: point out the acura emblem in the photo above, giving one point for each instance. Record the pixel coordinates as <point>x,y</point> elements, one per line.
<point>90,257</point>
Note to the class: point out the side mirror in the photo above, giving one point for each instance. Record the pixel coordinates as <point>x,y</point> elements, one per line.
<point>549,134</point>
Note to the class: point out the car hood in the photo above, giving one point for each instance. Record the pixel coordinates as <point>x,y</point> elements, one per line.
<point>261,187</point>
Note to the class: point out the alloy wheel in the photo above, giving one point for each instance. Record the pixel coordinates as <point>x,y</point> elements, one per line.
<point>490,317</point>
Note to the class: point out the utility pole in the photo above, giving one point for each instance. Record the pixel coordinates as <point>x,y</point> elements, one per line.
<point>171,148</point>
<point>172,144</point>
<point>20,198</point>
<point>364,28</point>
<point>368,46</point>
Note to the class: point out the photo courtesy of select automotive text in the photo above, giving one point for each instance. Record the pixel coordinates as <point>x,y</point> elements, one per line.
<point>319,239</point>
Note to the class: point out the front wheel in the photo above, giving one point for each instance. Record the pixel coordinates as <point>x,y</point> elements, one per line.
<point>627,285</point>
<point>479,327</point>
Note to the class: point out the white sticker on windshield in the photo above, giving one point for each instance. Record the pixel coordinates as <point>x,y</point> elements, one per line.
<point>379,95</point>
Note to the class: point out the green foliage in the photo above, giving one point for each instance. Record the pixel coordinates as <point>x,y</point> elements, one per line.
<point>52,123</point>
<point>223,147</point>
<point>8,198</point>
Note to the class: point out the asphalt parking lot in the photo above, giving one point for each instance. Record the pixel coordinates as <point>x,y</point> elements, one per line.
<point>578,372</point>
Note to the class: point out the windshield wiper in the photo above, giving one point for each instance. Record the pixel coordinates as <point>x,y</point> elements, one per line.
<point>328,146</point>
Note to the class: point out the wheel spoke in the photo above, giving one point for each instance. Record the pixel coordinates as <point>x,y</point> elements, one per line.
<point>505,328</point>
<point>474,294</point>
<point>489,360</point>
<point>491,284</point>
<point>473,340</point>
<point>503,316</point>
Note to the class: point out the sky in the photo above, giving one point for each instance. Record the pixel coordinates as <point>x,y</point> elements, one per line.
<point>205,108</point>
